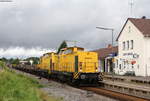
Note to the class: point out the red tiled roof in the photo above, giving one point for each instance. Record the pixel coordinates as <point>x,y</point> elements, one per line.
<point>142,24</point>
<point>104,52</point>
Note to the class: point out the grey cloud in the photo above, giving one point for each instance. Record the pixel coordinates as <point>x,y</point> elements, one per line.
<point>45,23</point>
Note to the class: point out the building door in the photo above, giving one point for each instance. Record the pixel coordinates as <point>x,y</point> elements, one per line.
<point>111,65</point>
<point>102,65</point>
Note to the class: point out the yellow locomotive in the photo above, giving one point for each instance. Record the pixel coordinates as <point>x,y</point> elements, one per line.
<point>72,64</point>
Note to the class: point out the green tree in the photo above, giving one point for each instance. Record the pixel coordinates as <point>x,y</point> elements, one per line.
<point>62,45</point>
<point>3,59</point>
<point>14,61</point>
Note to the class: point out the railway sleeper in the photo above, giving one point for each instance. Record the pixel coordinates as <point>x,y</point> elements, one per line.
<point>127,90</point>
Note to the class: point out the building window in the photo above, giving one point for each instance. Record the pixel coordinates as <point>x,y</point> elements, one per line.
<point>124,64</point>
<point>132,66</point>
<point>132,44</point>
<point>119,66</point>
<point>138,66</point>
<point>128,45</point>
<point>124,45</point>
<point>129,29</point>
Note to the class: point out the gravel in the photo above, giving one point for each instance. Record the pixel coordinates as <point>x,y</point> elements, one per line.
<point>68,93</point>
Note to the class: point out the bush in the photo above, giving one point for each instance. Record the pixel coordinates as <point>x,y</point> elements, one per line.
<point>129,73</point>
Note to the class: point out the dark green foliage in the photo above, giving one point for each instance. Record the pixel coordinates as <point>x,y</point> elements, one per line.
<point>3,59</point>
<point>129,73</point>
<point>11,60</point>
<point>14,61</point>
<point>62,45</point>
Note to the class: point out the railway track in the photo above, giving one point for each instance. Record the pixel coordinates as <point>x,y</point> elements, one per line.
<point>112,94</point>
<point>100,91</point>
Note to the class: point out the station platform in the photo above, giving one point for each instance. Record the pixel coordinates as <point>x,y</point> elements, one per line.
<point>129,79</point>
<point>128,85</point>
<point>127,88</point>
<point>135,86</point>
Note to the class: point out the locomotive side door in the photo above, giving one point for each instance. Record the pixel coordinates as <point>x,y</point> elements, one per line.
<point>51,65</point>
<point>76,63</point>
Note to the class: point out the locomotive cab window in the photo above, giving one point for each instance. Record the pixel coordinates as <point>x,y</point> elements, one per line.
<point>79,49</point>
<point>68,51</point>
<point>61,52</point>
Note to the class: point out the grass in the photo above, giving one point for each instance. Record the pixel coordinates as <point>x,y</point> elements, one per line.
<point>17,87</point>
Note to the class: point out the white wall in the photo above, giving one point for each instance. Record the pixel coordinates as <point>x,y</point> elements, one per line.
<point>147,55</point>
<point>139,48</point>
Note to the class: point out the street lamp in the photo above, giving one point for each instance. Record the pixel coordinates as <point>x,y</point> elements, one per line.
<point>111,29</point>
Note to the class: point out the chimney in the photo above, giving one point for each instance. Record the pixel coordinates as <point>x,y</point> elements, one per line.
<point>109,46</point>
<point>143,17</point>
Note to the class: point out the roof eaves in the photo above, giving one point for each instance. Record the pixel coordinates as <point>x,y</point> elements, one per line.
<point>142,32</point>
<point>122,29</point>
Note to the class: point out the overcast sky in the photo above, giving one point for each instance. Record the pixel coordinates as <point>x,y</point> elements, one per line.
<point>46,23</point>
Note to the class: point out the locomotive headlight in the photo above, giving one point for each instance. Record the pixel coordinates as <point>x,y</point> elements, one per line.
<point>96,69</point>
<point>80,66</point>
<point>80,69</point>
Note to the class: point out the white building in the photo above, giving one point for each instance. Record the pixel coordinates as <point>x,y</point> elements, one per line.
<point>134,48</point>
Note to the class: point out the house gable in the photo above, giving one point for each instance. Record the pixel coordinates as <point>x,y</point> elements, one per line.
<point>129,30</point>
<point>141,24</point>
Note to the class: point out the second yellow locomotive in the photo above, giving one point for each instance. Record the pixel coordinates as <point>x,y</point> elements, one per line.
<point>73,65</point>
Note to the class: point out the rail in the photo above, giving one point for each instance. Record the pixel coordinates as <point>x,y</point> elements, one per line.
<point>112,94</point>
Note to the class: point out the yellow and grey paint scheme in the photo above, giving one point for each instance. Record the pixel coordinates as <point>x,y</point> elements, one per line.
<point>76,75</point>
<point>71,61</point>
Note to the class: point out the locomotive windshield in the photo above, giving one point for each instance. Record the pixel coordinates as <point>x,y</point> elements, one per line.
<point>68,51</point>
<point>80,49</point>
<point>61,52</point>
